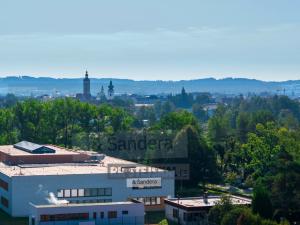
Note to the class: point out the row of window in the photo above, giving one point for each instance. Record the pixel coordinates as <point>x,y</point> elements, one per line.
<point>80,216</point>
<point>62,217</point>
<point>4,202</point>
<point>3,185</point>
<point>86,192</point>
<point>188,216</point>
<point>90,201</point>
<point>149,200</point>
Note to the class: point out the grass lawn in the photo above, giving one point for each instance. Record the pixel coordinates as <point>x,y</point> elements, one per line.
<point>7,220</point>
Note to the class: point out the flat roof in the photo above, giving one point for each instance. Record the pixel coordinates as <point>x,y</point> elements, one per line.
<point>13,151</point>
<point>211,201</point>
<point>101,167</point>
<point>82,204</point>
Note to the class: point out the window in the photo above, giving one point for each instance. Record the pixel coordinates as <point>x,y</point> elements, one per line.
<point>175,213</point>
<point>60,193</point>
<point>3,185</point>
<point>147,201</point>
<point>80,192</point>
<point>125,212</point>
<point>153,201</point>
<point>108,191</point>
<point>102,215</point>
<point>64,217</point>
<point>94,215</point>
<point>94,191</point>
<point>74,193</point>
<point>4,202</point>
<point>158,201</point>
<point>112,214</point>
<point>67,193</point>
<point>87,192</point>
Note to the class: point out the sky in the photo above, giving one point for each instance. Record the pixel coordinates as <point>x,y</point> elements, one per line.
<point>151,39</point>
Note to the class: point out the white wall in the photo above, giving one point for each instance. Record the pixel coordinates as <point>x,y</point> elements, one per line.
<point>135,213</point>
<point>35,189</point>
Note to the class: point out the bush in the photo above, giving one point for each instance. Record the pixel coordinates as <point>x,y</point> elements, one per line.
<point>163,222</point>
<point>232,216</point>
<point>261,203</point>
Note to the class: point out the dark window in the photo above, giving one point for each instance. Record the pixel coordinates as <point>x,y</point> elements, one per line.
<point>125,212</point>
<point>95,215</point>
<point>108,191</point>
<point>101,192</point>
<point>4,202</point>
<point>64,217</point>
<point>93,192</point>
<point>175,213</point>
<point>102,215</point>
<point>3,185</point>
<point>87,192</point>
<point>112,214</point>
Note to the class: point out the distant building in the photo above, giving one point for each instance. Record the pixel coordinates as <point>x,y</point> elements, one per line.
<point>101,95</point>
<point>110,92</point>
<point>86,95</point>
<point>86,86</point>
<point>129,213</point>
<point>192,210</point>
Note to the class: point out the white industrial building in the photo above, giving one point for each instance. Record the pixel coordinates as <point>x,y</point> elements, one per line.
<point>29,172</point>
<point>118,213</point>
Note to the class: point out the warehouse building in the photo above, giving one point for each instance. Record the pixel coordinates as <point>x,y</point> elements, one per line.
<point>31,172</point>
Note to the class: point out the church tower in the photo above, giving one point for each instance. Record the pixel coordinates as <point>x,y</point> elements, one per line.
<point>86,86</point>
<point>110,91</point>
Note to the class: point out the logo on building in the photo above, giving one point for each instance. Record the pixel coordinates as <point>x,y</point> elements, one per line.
<point>144,182</point>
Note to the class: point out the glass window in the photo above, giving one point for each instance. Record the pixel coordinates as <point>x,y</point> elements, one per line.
<point>175,213</point>
<point>87,192</point>
<point>74,193</point>
<point>94,191</point>
<point>108,191</point>
<point>158,201</point>
<point>67,193</point>
<point>147,201</point>
<point>153,201</point>
<point>101,191</point>
<point>112,214</point>
<point>60,193</point>
<point>125,212</point>
<point>80,192</point>
<point>4,202</point>
<point>102,215</point>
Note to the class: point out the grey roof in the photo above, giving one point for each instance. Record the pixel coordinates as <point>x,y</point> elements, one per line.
<point>33,148</point>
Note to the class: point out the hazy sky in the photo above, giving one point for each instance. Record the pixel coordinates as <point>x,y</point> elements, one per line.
<point>151,39</point>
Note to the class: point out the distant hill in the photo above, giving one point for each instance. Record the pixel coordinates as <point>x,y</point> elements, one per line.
<point>27,85</point>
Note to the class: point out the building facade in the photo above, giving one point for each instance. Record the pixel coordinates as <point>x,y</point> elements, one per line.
<point>127,213</point>
<point>79,178</point>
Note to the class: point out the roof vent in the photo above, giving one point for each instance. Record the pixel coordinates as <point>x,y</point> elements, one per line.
<point>33,148</point>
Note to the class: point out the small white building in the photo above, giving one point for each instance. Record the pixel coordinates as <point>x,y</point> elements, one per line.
<point>127,213</point>
<point>192,210</point>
